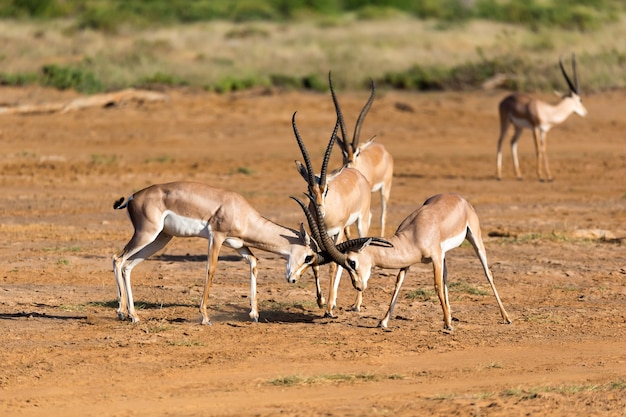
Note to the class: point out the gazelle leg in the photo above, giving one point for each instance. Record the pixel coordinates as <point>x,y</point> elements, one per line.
<point>318,287</point>
<point>384,198</point>
<point>252,260</point>
<point>538,152</point>
<point>356,306</point>
<point>504,126</point>
<point>514,139</point>
<point>544,151</point>
<point>440,288</point>
<point>213,255</point>
<point>396,291</point>
<point>335,278</point>
<point>126,261</point>
<point>476,240</point>
<point>122,308</point>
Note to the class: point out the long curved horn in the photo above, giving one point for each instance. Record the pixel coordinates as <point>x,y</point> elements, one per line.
<point>313,189</point>
<point>359,121</point>
<point>329,251</point>
<point>357,243</point>
<point>329,149</point>
<point>347,149</point>
<point>572,87</point>
<point>575,73</point>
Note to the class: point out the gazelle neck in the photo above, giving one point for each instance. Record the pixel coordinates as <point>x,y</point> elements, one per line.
<point>557,113</point>
<point>266,235</point>
<point>402,254</point>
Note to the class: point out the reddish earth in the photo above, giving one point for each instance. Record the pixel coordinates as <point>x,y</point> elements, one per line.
<point>556,250</point>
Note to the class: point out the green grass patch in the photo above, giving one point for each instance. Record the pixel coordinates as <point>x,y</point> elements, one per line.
<point>464,287</point>
<point>297,380</point>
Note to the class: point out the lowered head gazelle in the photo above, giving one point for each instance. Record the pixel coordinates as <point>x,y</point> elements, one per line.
<point>370,158</point>
<point>191,209</point>
<point>524,111</point>
<point>442,223</point>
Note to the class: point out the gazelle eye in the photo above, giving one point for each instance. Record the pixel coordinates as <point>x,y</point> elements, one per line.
<point>308,259</point>
<point>352,264</point>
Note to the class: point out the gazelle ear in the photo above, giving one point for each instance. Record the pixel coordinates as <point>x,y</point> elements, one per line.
<point>302,170</point>
<point>306,238</point>
<point>365,245</point>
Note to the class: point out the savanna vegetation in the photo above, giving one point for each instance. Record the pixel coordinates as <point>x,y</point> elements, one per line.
<point>103,45</point>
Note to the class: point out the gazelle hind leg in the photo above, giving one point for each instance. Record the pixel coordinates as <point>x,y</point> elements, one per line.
<point>124,261</point>
<point>475,239</point>
<point>514,140</point>
<point>440,288</point>
<point>504,126</point>
<point>212,259</point>
<point>153,247</point>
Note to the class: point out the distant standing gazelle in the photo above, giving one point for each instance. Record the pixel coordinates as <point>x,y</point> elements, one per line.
<point>525,111</point>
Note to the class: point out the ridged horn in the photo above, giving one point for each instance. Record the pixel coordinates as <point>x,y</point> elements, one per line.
<point>324,256</point>
<point>359,121</point>
<point>347,149</point>
<point>329,149</point>
<point>573,88</point>
<point>313,188</point>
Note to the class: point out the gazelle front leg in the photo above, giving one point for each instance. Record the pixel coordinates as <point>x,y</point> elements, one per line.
<point>544,151</point>
<point>396,291</point>
<point>318,287</point>
<point>335,278</point>
<point>252,260</point>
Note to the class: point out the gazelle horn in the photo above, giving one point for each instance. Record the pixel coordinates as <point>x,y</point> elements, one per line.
<point>359,121</point>
<point>573,87</point>
<point>346,149</point>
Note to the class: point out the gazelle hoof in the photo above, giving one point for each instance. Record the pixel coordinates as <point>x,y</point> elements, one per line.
<point>328,315</point>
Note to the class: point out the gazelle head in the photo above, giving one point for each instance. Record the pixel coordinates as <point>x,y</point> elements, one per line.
<point>348,254</point>
<point>350,150</point>
<point>302,254</point>
<point>574,88</point>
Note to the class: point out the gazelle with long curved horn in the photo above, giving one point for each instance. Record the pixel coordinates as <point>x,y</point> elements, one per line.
<point>343,198</point>
<point>371,158</point>
<point>224,218</point>
<point>442,223</point>
<point>524,111</point>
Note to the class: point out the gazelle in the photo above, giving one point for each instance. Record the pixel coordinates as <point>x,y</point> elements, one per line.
<point>370,158</point>
<point>343,198</point>
<point>442,223</point>
<point>525,111</point>
<point>191,209</point>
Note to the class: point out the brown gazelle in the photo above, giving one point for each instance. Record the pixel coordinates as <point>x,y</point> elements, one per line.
<point>370,158</point>
<point>343,198</point>
<point>524,111</point>
<point>191,209</point>
<point>442,223</point>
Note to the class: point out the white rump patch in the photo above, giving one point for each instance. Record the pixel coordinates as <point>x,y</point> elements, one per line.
<point>454,241</point>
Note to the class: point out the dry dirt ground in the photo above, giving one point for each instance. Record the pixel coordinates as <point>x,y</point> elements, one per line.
<point>557,251</point>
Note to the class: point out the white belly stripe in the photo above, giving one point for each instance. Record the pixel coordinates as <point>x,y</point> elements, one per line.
<point>181,226</point>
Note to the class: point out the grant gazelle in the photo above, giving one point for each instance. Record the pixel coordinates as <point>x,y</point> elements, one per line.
<point>190,209</point>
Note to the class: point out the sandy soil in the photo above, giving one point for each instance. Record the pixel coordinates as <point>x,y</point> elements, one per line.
<point>556,250</point>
